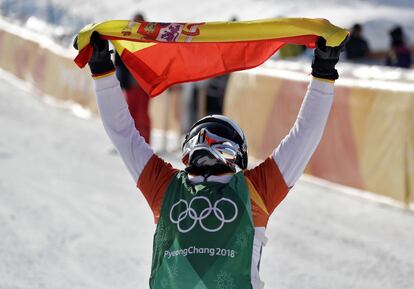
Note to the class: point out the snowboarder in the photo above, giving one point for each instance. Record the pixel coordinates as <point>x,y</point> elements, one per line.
<point>211,217</point>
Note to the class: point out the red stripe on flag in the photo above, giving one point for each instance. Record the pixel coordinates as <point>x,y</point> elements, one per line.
<point>159,66</point>
<point>84,55</point>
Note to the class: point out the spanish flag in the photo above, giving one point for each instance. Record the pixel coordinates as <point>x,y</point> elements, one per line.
<point>162,54</point>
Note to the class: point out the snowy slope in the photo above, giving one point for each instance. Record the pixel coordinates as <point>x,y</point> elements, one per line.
<point>377,15</point>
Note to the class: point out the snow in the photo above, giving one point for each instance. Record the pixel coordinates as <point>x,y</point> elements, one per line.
<point>377,16</point>
<point>71,217</point>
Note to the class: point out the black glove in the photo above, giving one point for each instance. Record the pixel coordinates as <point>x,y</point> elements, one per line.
<point>100,61</point>
<point>325,58</point>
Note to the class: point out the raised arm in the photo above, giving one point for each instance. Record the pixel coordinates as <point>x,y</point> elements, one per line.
<point>119,125</point>
<point>274,177</point>
<point>296,149</point>
<point>117,120</point>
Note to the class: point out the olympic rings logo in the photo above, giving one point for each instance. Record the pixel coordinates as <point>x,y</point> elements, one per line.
<point>205,213</point>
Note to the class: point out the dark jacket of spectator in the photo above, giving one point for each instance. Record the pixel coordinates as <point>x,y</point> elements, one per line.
<point>357,47</point>
<point>126,80</point>
<point>216,90</point>
<point>399,54</point>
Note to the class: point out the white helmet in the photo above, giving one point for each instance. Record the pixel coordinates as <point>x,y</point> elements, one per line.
<point>215,144</point>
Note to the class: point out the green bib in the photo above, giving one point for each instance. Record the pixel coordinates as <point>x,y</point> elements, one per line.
<point>204,236</point>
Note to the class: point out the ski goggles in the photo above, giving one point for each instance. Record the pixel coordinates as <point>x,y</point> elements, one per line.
<point>220,148</point>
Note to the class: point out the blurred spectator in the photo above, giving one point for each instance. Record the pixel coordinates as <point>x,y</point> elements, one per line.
<point>357,47</point>
<point>136,97</point>
<point>216,90</point>
<point>399,54</point>
<point>201,98</point>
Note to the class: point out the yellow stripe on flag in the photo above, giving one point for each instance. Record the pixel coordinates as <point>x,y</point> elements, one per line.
<point>218,31</point>
<point>120,45</point>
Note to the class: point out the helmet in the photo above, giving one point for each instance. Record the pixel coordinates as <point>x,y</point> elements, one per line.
<point>215,144</point>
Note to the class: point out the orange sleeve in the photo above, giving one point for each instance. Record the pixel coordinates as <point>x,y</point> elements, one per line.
<point>269,183</point>
<point>154,181</point>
